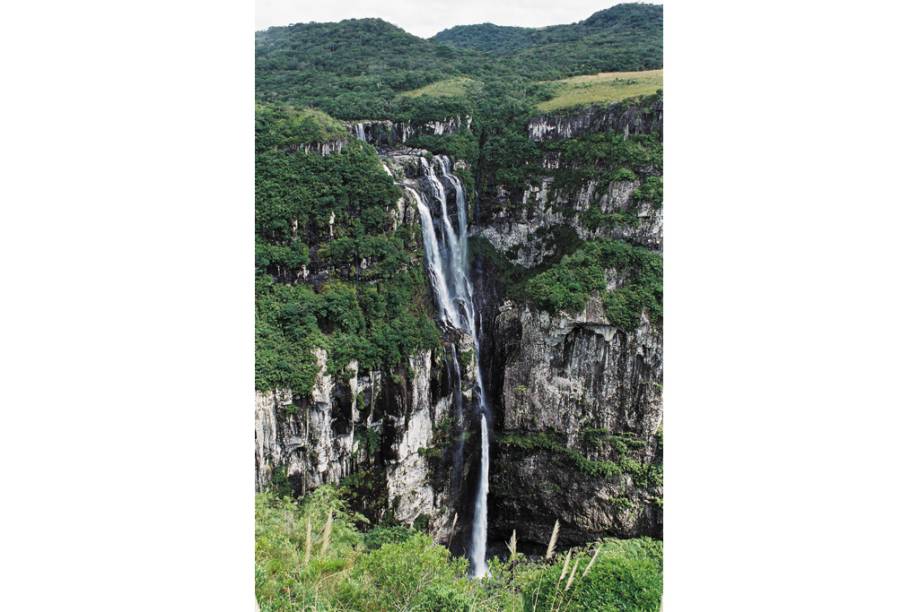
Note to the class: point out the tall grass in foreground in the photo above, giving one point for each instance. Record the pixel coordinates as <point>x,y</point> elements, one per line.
<point>397,568</point>
<point>550,549</point>
<point>326,535</point>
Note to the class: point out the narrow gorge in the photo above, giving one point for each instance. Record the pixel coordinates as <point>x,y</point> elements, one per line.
<point>577,433</point>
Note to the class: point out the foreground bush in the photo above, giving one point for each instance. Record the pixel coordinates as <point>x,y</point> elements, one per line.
<point>412,575</point>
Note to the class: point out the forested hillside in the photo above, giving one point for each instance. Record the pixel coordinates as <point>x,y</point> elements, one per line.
<point>357,68</point>
<point>354,68</point>
<point>624,37</point>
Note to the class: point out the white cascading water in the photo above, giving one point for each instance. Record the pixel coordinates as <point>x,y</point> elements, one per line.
<point>480,517</point>
<point>446,256</point>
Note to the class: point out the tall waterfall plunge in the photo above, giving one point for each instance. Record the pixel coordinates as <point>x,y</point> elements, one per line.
<point>446,252</point>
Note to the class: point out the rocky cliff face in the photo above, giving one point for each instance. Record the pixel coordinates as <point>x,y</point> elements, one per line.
<point>628,118</point>
<point>578,411</point>
<point>373,426</point>
<point>319,148</point>
<point>392,133</point>
<point>526,229</point>
<point>581,415</point>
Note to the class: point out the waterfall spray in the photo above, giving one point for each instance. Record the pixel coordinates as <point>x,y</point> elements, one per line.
<point>446,255</point>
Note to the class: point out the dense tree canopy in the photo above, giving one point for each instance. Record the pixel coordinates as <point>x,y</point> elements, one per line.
<point>358,68</point>
<point>623,37</point>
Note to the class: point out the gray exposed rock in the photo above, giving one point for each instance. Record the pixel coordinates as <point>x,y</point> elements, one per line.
<point>392,133</point>
<point>320,148</point>
<point>579,371</point>
<point>570,376</point>
<point>625,117</point>
<point>313,442</point>
<point>520,228</point>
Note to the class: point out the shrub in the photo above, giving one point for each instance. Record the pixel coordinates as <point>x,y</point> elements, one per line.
<point>378,536</point>
<point>624,174</point>
<point>395,568</point>
<point>462,145</point>
<point>652,190</point>
<point>414,574</point>
<point>594,218</point>
<point>568,284</point>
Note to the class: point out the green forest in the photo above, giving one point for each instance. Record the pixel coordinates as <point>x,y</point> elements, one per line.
<point>357,68</point>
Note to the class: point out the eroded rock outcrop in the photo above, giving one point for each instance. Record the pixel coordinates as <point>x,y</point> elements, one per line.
<point>580,427</point>
<point>368,421</point>
<point>578,410</point>
<point>319,148</point>
<point>524,228</point>
<point>392,133</point>
<point>625,117</point>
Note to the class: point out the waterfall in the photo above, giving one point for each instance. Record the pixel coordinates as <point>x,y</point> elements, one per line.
<point>446,255</point>
<point>455,380</point>
<point>436,268</point>
<point>480,517</point>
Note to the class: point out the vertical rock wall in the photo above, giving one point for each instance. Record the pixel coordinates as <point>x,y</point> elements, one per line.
<point>328,437</point>
<point>578,405</point>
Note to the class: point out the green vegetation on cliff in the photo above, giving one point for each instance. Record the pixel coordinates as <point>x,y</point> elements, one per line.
<point>331,272</point>
<point>284,126</point>
<point>608,156</point>
<point>567,285</point>
<point>306,561</point>
<point>608,460</point>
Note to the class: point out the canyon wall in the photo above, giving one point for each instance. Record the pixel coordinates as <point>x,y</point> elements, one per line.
<point>578,400</point>
<point>577,412</point>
